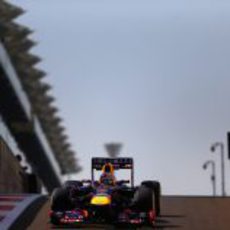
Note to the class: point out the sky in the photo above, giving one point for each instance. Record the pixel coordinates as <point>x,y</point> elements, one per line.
<point>153,75</point>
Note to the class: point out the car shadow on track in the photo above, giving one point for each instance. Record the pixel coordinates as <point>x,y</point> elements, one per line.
<point>166,221</point>
<point>169,221</point>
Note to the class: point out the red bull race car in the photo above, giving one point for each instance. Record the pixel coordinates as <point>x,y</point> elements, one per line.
<point>106,200</point>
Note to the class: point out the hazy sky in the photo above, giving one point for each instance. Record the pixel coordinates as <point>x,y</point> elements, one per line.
<point>154,75</point>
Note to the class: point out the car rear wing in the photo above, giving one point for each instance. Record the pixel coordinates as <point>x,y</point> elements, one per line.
<point>118,163</point>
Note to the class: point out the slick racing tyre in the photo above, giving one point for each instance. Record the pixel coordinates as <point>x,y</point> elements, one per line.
<point>73,183</point>
<point>156,188</point>
<point>143,199</point>
<point>60,200</point>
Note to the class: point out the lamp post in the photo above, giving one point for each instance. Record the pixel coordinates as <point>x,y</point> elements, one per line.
<point>213,175</point>
<point>213,149</point>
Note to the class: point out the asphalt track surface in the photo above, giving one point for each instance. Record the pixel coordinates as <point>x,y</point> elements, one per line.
<point>178,212</point>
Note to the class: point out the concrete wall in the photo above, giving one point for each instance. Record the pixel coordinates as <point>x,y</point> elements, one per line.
<point>12,177</point>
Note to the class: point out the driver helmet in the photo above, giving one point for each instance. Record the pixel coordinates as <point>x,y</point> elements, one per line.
<point>107,177</point>
<point>108,168</point>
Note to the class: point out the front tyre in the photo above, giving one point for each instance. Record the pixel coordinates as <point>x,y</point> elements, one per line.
<point>143,199</point>
<point>60,200</point>
<point>156,188</point>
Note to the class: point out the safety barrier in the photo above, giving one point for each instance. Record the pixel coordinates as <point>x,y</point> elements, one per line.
<point>17,210</point>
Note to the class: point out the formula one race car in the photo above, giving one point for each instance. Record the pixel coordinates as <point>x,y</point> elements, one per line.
<point>106,200</point>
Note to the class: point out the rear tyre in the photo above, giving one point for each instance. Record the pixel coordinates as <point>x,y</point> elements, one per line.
<point>156,188</point>
<point>73,183</point>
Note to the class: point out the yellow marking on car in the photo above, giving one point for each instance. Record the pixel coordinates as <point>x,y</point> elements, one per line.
<point>101,200</point>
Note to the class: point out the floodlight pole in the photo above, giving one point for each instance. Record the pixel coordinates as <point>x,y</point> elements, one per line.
<point>113,149</point>
<point>213,148</point>
<point>213,175</point>
<point>92,171</point>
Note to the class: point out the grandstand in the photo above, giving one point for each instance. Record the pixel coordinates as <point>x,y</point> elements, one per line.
<point>34,146</point>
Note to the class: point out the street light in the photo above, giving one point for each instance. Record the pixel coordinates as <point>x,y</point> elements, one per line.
<point>213,148</point>
<point>213,175</point>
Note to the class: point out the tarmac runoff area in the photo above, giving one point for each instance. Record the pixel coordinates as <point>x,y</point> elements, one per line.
<point>178,212</point>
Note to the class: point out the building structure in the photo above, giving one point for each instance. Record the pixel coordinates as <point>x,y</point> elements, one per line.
<point>30,126</point>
